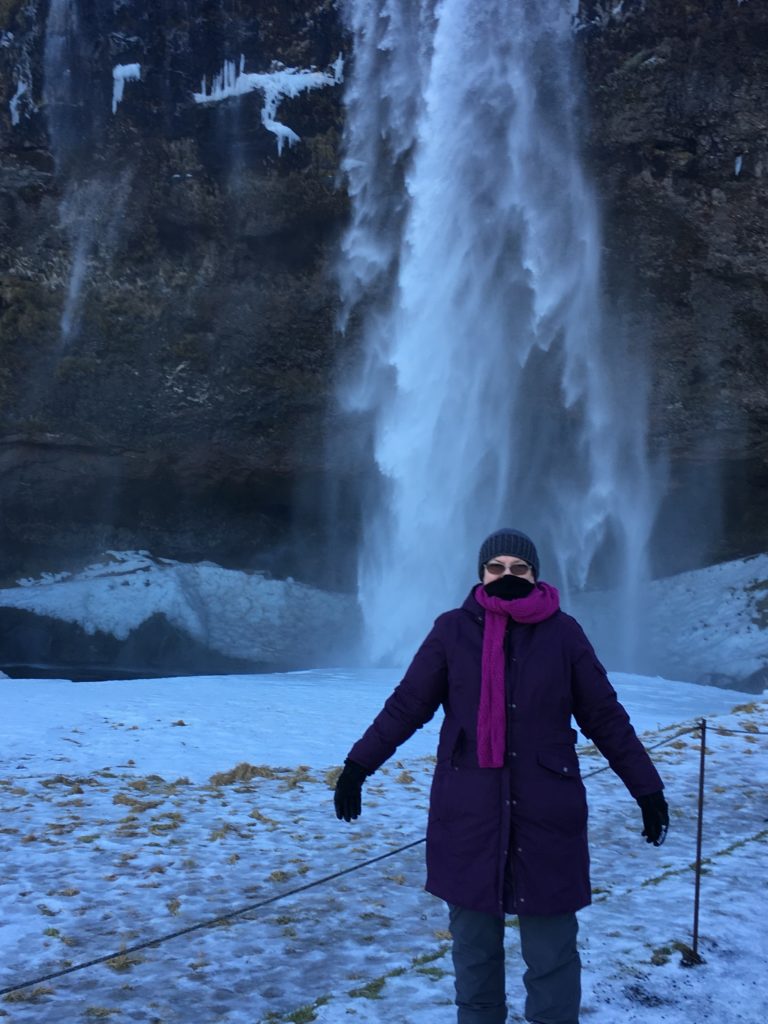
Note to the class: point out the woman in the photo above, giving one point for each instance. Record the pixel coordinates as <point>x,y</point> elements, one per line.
<point>507,831</point>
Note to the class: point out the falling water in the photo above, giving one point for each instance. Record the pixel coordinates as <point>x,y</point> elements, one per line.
<point>64,101</point>
<point>67,81</point>
<point>496,392</point>
<point>91,207</point>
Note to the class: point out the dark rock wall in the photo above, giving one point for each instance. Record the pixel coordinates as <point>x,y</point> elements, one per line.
<point>167,302</point>
<point>179,406</point>
<point>678,96</point>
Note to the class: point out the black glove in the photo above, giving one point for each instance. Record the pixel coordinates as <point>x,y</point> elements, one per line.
<point>348,795</point>
<point>655,817</point>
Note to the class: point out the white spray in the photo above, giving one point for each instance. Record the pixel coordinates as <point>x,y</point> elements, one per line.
<point>497,395</point>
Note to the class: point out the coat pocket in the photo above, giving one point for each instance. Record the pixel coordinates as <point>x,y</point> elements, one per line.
<point>467,797</point>
<point>563,762</point>
<point>557,792</point>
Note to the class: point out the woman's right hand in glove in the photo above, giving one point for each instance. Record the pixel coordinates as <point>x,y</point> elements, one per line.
<point>348,795</point>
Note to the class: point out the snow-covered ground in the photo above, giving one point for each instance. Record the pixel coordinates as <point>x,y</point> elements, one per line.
<point>120,823</point>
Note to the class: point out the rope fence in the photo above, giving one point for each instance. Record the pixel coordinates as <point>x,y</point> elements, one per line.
<point>690,955</point>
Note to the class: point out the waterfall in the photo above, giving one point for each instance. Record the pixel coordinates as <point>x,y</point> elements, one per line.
<point>67,81</point>
<point>65,105</point>
<point>92,201</point>
<point>495,390</point>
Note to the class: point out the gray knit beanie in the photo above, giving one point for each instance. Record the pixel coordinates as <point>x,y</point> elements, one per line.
<point>509,542</point>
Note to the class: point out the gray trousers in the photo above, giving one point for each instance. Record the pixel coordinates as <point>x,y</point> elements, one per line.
<point>552,979</point>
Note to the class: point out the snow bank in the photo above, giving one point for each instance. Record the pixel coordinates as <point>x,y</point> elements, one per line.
<point>238,614</point>
<point>709,625</point>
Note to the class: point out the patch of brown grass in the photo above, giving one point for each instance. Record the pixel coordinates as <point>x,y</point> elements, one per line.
<point>262,818</point>
<point>28,995</point>
<point>124,962</point>
<point>161,828</point>
<point>65,780</point>
<point>297,777</point>
<point>244,772</point>
<point>134,804</point>
<point>225,830</point>
<point>279,876</point>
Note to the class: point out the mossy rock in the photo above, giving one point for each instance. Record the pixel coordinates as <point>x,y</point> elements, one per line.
<point>8,9</point>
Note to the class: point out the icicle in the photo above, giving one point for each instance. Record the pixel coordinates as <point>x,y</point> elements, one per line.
<point>274,85</point>
<point>122,73</point>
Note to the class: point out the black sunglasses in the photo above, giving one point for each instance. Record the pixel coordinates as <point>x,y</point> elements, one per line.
<point>498,568</point>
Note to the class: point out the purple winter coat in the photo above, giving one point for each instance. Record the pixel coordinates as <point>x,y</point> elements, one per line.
<point>510,839</point>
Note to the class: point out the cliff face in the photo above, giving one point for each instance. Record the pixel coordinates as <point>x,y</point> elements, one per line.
<point>166,291</point>
<point>166,309</point>
<point>678,96</point>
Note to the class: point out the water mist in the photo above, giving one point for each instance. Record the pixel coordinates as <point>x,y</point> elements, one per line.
<point>494,391</point>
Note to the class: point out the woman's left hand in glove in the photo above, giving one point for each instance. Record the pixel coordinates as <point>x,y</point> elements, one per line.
<point>655,817</point>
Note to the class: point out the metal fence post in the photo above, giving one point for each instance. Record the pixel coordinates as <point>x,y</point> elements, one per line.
<point>691,957</point>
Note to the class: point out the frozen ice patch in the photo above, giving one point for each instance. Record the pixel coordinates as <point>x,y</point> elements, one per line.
<point>274,85</point>
<point>122,73</point>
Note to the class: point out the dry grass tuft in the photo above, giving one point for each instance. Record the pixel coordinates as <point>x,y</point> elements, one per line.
<point>225,830</point>
<point>279,876</point>
<point>161,828</point>
<point>244,772</point>
<point>124,962</point>
<point>75,784</point>
<point>134,804</point>
<point>54,933</point>
<point>62,828</point>
<point>262,818</point>
<point>300,775</point>
<point>28,995</point>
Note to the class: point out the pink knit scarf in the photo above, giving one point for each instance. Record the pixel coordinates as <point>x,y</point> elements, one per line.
<point>542,603</point>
